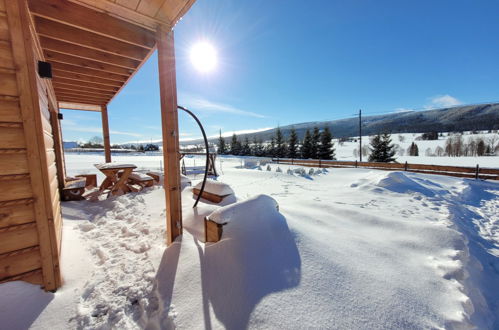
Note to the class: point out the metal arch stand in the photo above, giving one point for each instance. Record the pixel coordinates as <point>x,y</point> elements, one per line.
<point>207,153</point>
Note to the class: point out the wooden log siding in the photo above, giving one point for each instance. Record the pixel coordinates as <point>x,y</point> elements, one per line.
<point>457,171</point>
<point>30,218</point>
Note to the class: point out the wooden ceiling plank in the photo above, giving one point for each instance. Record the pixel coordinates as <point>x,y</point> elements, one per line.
<point>80,92</point>
<point>122,13</point>
<point>85,84</point>
<point>79,106</point>
<point>81,88</point>
<point>85,18</point>
<point>55,30</point>
<point>130,4</point>
<point>83,97</point>
<point>87,53</point>
<point>76,76</point>
<point>88,71</point>
<point>52,57</point>
<point>79,100</point>
<point>150,7</point>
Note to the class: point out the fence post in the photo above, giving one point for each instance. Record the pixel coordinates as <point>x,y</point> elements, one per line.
<point>405,166</point>
<point>476,172</point>
<point>320,164</point>
<point>355,163</point>
<point>277,160</point>
<point>292,161</point>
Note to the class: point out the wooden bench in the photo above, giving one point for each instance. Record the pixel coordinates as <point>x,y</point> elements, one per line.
<point>90,180</point>
<point>212,230</point>
<point>74,189</point>
<point>209,196</point>
<point>155,175</point>
<point>141,179</point>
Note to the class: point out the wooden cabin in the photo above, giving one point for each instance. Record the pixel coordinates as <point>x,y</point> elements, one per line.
<point>75,54</point>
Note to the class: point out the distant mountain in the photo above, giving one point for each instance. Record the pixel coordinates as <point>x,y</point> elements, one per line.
<point>462,118</point>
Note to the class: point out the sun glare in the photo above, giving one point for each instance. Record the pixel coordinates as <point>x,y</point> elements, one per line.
<point>203,57</point>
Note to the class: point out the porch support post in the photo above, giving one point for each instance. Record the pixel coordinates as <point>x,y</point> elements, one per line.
<point>105,134</point>
<point>169,121</point>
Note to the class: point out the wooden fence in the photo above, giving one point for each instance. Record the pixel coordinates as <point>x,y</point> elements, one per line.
<point>458,171</point>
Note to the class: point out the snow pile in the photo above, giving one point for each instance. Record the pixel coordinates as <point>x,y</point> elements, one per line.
<point>278,170</point>
<point>290,171</point>
<point>260,205</point>
<point>269,168</point>
<point>215,187</point>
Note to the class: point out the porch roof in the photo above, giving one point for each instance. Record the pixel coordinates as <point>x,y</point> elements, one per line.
<point>96,46</point>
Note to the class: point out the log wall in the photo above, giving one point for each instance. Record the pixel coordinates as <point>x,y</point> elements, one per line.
<point>31,167</point>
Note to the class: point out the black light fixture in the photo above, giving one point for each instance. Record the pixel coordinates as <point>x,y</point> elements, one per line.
<point>44,69</point>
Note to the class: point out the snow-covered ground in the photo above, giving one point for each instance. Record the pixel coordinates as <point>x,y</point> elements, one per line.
<point>345,150</point>
<point>348,249</point>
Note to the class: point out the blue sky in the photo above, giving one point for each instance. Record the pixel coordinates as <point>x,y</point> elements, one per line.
<point>286,61</point>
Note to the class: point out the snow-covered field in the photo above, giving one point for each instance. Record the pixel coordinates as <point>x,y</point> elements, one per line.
<point>348,249</point>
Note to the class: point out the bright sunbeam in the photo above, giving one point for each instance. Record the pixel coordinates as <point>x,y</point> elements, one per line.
<point>203,56</point>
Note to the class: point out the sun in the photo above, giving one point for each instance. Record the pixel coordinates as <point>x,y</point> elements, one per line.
<point>203,56</point>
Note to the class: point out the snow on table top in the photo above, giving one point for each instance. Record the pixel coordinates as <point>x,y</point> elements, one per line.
<point>215,187</point>
<point>245,210</point>
<point>110,166</point>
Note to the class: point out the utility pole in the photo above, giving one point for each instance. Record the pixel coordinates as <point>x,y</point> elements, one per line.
<point>360,135</point>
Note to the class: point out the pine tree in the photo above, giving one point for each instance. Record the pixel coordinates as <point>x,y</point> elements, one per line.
<point>245,148</point>
<point>326,148</point>
<point>306,148</point>
<point>270,149</point>
<point>235,145</point>
<point>222,149</point>
<point>316,138</point>
<point>293,144</point>
<point>382,149</point>
<point>254,147</point>
<point>280,144</point>
<point>413,149</point>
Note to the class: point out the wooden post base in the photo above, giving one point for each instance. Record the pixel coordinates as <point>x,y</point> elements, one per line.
<point>212,230</point>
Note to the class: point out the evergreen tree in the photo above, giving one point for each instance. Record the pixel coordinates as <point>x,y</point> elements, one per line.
<point>382,149</point>
<point>222,148</point>
<point>306,148</point>
<point>254,147</point>
<point>280,144</point>
<point>293,144</point>
<point>235,145</point>
<point>413,149</point>
<point>326,148</point>
<point>246,149</point>
<point>316,138</point>
<point>270,149</point>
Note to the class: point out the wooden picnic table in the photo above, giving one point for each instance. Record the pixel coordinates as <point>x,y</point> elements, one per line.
<point>115,182</point>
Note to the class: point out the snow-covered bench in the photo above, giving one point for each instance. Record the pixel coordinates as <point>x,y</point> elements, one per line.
<point>242,211</point>
<point>141,179</point>
<point>214,191</point>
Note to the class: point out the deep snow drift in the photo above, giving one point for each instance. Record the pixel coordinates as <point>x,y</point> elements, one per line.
<point>346,248</point>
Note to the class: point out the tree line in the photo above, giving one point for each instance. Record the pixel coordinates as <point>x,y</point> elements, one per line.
<point>316,144</point>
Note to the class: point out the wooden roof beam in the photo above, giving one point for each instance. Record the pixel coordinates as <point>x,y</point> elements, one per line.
<point>87,19</point>
<point>73,89</point>
<point>80,100</point>
<point>58,84</point>
<point>79,106</point>
<point>87,53</point>
<point>69,34</point>
<point>88,71</point>
<point>84,99</point>
<point>75,76</point>
<point>93,86</point>
<point>52,57</point>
